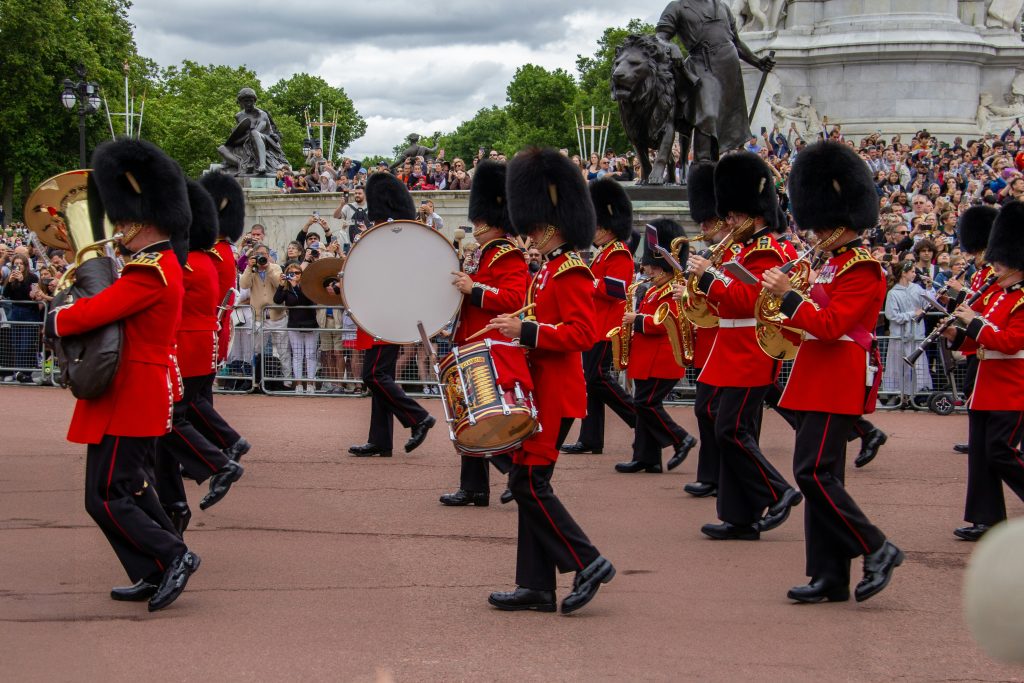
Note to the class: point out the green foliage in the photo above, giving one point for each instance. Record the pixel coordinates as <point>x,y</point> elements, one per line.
<point>539,108</point>
<point>488,129</point>
<point>292,96</point>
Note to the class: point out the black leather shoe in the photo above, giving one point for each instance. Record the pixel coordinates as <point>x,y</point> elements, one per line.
<point>700,489</point>
<point>961,448</point>
<point>524,599</point>
<point>175,578</point>
<point>507,497</point>
<point>637,466</point>
<point>779,512</point>
<point>180,516</point>
<point>419,433</point>
<point>586,583</point>
<point>878,569</point>
<point>971,533</point>
<point>220,484</point>
<point>731,532</point>
<point>238,449</point>
<point>367,450</point>
<point>580,447</point>
<point>463,497</point>
<point>680,455</point>
<point>138,592</point>
<point>819,590</point>
<point>870,444</point>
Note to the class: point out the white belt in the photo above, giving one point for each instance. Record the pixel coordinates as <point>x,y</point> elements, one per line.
<point>736,322</point>
<point>989,354</point>
<point>810,337</point>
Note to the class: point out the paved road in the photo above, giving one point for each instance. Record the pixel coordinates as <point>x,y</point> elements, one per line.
<point>318,566</point>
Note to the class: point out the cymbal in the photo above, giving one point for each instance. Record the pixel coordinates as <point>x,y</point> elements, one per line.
<point>317,276</point>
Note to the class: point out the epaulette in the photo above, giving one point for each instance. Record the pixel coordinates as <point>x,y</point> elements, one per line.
<point>572,261</point>
<point>736,249</point>
<point>1020,302</point>
<point>666,290</point>
<point>860,255</point>
<point>147,259</point>
<point>766,243</point>
<point>618,245</point>
<point>503,249</point>
<point>215,254</point>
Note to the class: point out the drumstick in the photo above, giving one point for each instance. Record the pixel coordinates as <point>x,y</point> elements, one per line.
<point>522,310</point>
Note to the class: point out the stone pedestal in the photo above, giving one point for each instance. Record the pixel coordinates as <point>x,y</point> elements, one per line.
<point>892,65</point>
<point>653,202</point>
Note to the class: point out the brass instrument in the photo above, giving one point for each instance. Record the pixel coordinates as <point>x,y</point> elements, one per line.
<point>684,336</point>
<point>621,336</point>
<point>320,275</point>
<point>695,304</point>
<point>776,339</point>
<point>664,316</point>
<point>65,212</point>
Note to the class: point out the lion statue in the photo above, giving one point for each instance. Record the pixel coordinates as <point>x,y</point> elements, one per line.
<point>644,85</point>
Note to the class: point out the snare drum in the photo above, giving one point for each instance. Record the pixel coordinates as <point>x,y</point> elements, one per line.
<point>488,397</point>
<point>398,274</point>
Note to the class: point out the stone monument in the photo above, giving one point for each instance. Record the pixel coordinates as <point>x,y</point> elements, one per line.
<point>955,67</point>
<point>254,146</point>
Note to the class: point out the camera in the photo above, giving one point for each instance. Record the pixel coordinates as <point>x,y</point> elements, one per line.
<point>316,214</point>
<point>262,261</point>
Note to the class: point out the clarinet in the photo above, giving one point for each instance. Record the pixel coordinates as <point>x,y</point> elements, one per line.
<point>943,291</point>
<point>947,322</point>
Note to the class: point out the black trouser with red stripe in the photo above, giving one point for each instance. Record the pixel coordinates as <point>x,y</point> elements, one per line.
<point>388,399</point>
<point>185,446</point>
<point>126,508</point>
<point>860,428</point>
<point>205,417</point>
<point>475,476</point>
<point>835,529</point>
<point>602,390</point>
<point>747,482</point>
<point>705,407</point>
<point>993,457</point>
<point>549,538</point>
<point>655,428</point>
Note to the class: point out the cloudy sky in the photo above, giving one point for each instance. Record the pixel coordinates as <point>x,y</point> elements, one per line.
<point>408,65</point>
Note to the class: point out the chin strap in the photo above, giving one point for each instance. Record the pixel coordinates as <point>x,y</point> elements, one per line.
<point>549,232</point>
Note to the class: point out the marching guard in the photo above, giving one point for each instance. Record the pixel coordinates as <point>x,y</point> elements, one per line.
<point>143,194</point>
<point>743,374</point>
<point>995,409</point>
<point>494,280</point>
<point>613,270</point>
<point>549,203</point>
<point>388,199</point>
<point>835,375</point>
<point>656,362</point>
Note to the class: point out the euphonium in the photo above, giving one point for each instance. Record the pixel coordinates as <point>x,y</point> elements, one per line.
<point>775,339</point>
<point>621,336</point>
<point>684,331</point>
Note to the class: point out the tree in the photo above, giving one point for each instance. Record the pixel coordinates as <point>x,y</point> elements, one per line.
<point>539,108</point>
<point>294,95</point>
<point>487,129</point>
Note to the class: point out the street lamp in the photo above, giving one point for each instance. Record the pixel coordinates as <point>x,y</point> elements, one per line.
<point>84,96</point>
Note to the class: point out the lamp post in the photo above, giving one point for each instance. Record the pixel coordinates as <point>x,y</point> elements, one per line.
<point>84,96</point>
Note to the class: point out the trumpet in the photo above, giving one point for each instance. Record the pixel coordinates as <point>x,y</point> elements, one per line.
<point>775,339</point>
<point>946,323</point>
<point>621,336</point>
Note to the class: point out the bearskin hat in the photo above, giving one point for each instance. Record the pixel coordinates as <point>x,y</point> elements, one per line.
<point>203,232</point>
<point>744,184</point>
<point>387,198</point>
<point>831,187</point>
<point>635,237</point>
<point>974,228</point>
<point>700,185</point>
<point>487,201</point>
<point>229,200</point>
<point>612,206</point>
<point>1006,243</point>
<point>668,230</point>
<point>545,188</point>
<point>138,183</point>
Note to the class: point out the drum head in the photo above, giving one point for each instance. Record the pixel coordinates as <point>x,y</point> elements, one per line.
<point>397,274</point>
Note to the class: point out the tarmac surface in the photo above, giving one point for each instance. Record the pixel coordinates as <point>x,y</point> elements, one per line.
<point>319,566</point>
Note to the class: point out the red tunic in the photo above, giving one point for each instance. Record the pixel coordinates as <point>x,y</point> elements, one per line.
<point>499,286</point>
<point>227,278</point>
<point>613,262</point>
<point>704,337</point>
<point>147,300</point>
<point>830,371</point>
<point>197,334</point>
<point>736,360</point>
<point>977,282</point>
<point>560,329</point>
<point>650,352</point>
<point>998,337</point>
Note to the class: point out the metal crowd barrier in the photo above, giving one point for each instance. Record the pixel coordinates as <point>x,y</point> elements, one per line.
<point>22,358</point>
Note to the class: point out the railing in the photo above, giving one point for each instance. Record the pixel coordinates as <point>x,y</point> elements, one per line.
<point>261,358</point>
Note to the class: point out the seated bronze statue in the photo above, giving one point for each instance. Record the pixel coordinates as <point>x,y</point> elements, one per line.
<point>254,146</point>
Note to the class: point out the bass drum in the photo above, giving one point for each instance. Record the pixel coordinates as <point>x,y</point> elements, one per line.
<point>398,274</point>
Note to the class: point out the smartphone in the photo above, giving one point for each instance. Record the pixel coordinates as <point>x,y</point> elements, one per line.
<point>316,214</point>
